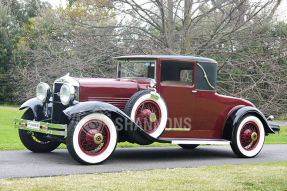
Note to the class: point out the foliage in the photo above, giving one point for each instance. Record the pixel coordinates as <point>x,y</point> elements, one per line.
<point>13,15</point>
<point>241,35</point>
<point>7,31</point>
<point>38,43</point>
<point>66,40</point>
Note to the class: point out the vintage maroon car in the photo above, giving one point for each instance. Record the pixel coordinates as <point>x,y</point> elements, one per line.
<point>168,99</point>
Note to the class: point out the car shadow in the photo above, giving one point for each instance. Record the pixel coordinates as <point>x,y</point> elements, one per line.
<point>151,154</point>
<point>172,153</point>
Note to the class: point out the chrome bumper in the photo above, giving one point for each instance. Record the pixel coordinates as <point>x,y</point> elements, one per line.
<point>45,128</point>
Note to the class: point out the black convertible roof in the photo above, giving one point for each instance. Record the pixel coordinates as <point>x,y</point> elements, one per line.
<point>175,57</point>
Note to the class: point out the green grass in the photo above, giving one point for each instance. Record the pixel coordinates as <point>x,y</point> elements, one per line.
<point>9,139</point>
<point>266,176</point>
<point>9,105</point>
<point>280,138</point>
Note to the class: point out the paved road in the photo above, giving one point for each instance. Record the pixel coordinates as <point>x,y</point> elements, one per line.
<point>59,162</point>
<point>281,123</point>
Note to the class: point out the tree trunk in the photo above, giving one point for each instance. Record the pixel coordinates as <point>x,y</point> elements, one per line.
<point>186,39</point>
<point>170,24</point>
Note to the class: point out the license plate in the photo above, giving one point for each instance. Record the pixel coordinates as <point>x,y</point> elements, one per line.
<point>33,125</point>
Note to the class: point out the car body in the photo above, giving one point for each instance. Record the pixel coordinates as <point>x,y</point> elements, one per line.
<point>154,98</point>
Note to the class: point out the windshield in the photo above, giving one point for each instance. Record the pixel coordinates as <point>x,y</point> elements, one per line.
<point>136,69</point>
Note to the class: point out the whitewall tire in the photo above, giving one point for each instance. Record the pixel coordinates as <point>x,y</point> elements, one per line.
<point>248,137</point>
<point>149,111</point>
<point>92,139</point>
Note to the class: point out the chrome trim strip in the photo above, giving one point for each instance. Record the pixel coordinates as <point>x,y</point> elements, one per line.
<point>207,142</point>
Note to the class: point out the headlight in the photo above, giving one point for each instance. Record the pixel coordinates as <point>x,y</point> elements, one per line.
<point>43,91</point>
<point>67,93</point>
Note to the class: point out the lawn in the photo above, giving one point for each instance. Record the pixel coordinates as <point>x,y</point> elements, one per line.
<point>9,139</point>
<point>264,176</point>
<point>8,105</point>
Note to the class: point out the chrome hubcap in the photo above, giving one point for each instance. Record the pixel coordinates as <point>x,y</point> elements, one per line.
<point>152,117</point>
<point>254,136</point>
<point>98,138</point>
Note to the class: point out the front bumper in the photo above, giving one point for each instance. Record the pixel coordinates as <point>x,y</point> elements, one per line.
<point>45,128</point>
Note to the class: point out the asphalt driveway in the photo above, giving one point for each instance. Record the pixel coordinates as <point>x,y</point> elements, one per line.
<point>27,164</point>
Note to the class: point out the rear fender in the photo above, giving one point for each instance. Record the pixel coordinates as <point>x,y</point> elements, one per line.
<point>127,129</point>
<point>236,116</point>
<point>36,106</point>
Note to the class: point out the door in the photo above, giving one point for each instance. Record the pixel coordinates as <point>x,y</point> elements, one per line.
<point>177,87</point>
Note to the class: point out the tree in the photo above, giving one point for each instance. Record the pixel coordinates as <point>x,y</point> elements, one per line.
<point>77,39</point>
<point>238,34</point>
<point>83,38</point>
<point>8,35</point>
<point>13,15</point>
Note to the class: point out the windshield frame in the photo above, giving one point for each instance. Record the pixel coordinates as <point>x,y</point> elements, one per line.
<point>136,61</point>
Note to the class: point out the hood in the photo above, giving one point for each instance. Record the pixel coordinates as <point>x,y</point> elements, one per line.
<point>114,91</point>
<point>98,82</point>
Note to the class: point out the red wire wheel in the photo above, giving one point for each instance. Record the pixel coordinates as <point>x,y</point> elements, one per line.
<point>94,137</point>
<point>249,136</point>
<point>148,116</point>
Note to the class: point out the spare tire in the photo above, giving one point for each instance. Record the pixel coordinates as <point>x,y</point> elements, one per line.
<point>148,110</point>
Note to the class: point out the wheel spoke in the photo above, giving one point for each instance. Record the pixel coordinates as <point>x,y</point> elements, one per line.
<point>143,116</point>
<point>246,140</point>
<point>88,135</point>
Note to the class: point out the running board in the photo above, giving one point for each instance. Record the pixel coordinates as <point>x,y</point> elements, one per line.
<point>197,141</point>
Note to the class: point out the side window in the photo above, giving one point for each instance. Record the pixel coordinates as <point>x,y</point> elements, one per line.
<point>177,73</point>
<point>186,76</point>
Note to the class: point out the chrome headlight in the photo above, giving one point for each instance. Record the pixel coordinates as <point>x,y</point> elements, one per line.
<point>67,93</point>
<point>43,92</point>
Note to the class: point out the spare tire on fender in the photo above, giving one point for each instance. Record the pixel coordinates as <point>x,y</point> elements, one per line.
<point>149,111</point>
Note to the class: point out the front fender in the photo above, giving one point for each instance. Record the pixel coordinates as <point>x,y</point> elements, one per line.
<point>84,108</point>
<point>126,127</point>
<point>36,106</point>
<point>236,116</point>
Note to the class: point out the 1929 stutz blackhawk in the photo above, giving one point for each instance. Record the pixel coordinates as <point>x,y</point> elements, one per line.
<point>168,99</point>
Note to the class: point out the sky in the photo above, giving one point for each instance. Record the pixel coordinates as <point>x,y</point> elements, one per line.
<point>56,3</point>
<point>281,12</point>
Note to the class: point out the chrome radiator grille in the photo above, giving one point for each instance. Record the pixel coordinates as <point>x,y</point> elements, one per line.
<point>58,107</point>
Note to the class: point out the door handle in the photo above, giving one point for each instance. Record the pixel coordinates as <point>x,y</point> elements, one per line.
<point>194,91</point>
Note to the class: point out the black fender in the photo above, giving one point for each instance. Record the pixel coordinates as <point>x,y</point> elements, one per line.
<point>128,130</point>
<point>36,106</point>
<point>235,117</point>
